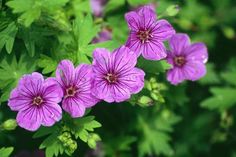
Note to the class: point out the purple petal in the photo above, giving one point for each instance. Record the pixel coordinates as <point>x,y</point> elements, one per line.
<point>84,75</point>
<point>120,92</point>
<point>51,113</point>
<point>30,118</point>
<point>197,52</point>
<point>65,72</point>
<point>134,43</point>
<point>102,90</point>
<point>148,15</point>
<point>178,43</point>
<point>31,85</point>
<point>52,91</point>
<point>175,76</point>
<point>162,30</point>
<point>134,80</point>
<point>18,101</point>
<point>97,7</point>
<point>101,60</point>
<point>154,51</point>
<point>194,70</point>
<point>124,59</point>
<point>72,106</point>
<point>133,20</point>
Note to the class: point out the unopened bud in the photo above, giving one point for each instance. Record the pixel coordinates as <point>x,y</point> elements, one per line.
<point>9,124</point>
<point>145,101</point>
<point>172,10</point>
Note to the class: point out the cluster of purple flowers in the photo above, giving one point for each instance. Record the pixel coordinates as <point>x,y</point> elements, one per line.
<point>112,77</point>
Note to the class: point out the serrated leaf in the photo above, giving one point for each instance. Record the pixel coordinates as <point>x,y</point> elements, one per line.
<point>7,37</point>
<point>48,64</point>
<point>222,98</point>
<point>11,71</point>
<point>6,152</point>
<point>153,67</point>
<point>43,131</point>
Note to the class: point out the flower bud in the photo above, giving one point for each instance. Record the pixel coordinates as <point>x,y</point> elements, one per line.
<point>145,101</point>
<point>9,124</point>
<point>172,10</point>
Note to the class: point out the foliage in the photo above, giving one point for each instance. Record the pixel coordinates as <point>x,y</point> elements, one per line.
<point>191,119</point>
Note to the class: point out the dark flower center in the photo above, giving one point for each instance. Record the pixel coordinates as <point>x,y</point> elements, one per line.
<point>179,61</point>
<point>70,91</point>
<point>37,100</point>
<point>144,36</point>
<point>111,78</point>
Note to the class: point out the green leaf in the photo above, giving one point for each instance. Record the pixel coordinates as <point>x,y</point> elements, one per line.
<point>155,138</point>
<point>31,10</point>
<point>86,29</point>
<point>223,98</point>
<point>6,152</point>
<point>211,75</point>
<point>114,4</point>
<point>48,64</point>
<point>153,67</point>
<point>7,37</point>
<point>11,71</point>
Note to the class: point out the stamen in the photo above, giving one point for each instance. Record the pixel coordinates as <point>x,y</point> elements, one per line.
<point>179,61</point>
<point>37,100</point>
<point>111,78</point>
<point>70,91</point>
<point>144,36</point>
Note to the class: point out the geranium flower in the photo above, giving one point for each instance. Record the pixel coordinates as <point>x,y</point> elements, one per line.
<point>97,7</point>
<point>147,34</point>
<point>37,101</point>
<point>103,36</point>
<point>188,59</point>
<point>76,84</point>
<point>115,77</point>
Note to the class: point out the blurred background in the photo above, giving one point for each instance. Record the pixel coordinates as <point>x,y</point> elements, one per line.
<point>194,119</point>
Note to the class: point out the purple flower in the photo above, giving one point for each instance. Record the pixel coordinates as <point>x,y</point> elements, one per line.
<point>76,84</point>
<point>188,59</point>
<point>103,36</point>
<point>147,34</point>
<point>97,6</point>
<point>115,77</point>
<point>36,101</point>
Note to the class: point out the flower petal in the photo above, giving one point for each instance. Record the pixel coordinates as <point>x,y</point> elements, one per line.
<point>65,73</point>
<point>133,20</point>
<point>72,106</point>
<point>154,50</point>
<point>84,75</point>
<point>101,60</point>
<point>102,90</point>
<point>148,15</point>
<point>162,30</point>
<point>52,91</point>
<point>197,52</point>
<point>124,59</point>
<point>178,43</point>
<point>194,70</point>
<point>134,43</point>
<point>175,76</point>
<point>134,80</point>
<point>18,101</point>
<point>120,92</point>
<point>31,85</point>
<point>30,118</point>
<point>51,113</point>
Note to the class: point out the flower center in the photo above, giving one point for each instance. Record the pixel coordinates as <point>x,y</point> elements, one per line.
<point>144,36</point>
<point>179,61</point>
<point>70,91</point>
<point>111,78</point>
<point>37,100</point>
